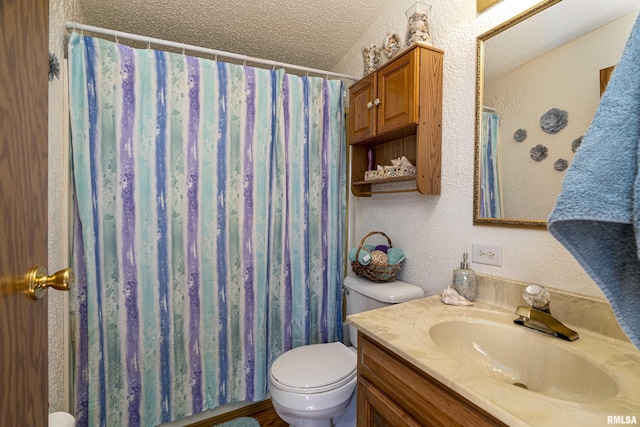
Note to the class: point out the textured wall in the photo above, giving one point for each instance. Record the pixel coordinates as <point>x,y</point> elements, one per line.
<point>59,11</point>
<point>434,231</point>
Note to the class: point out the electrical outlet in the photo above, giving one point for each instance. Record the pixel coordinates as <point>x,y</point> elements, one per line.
<point>487,254</point>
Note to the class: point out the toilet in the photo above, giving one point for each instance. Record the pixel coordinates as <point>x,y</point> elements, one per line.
<point>61,419</point>
<point>314,385</point>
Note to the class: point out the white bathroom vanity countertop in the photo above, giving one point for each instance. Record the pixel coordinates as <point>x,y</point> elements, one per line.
<point>405,329</point>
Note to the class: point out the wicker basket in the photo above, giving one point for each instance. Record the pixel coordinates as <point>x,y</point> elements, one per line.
<point>376,273</point>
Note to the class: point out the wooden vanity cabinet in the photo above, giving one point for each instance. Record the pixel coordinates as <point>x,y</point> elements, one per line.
<point>398,111</point>
<point>393,392</point>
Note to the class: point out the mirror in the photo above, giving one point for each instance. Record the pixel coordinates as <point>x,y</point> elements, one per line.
<point>537,90</point>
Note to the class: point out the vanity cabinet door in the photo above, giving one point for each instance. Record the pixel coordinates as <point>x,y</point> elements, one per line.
<point>397,92</point>
<point>376,409</point>
<point>362,112</point>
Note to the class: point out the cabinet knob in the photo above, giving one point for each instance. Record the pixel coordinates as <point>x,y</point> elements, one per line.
<point>377,102</point>
<point>369,105</point>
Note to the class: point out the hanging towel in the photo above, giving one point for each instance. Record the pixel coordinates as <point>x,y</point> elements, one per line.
<point>597,215</point>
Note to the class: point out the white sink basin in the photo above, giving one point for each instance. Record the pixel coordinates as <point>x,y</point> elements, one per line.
<point>525,358</point>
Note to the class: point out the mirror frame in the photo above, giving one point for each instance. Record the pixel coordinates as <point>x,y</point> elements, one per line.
<point>477,220</point>
<point>482,5</point>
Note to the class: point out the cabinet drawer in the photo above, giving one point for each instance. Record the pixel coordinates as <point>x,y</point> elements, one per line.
<point>424,398</point>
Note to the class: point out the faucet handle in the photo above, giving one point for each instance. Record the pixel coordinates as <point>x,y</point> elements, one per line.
<point>537,297</point>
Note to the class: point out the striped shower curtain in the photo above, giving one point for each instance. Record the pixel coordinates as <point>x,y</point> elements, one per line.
<point>210,212</point>
<point>490,201</point>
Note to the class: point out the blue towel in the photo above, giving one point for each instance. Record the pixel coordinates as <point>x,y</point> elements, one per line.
<point>395,256</point>
<point>364,256</point>
<point>597,214</point>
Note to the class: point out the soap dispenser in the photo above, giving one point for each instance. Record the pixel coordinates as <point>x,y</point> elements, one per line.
<point>464,280</point>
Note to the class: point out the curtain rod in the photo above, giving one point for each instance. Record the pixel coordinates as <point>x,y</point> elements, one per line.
<point>275,64</point>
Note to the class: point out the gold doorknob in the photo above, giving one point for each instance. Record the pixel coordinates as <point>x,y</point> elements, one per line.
<point>38,281</point>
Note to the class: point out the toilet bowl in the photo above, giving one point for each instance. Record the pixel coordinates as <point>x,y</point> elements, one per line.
<point>313,385</point>
<point>61,419</point>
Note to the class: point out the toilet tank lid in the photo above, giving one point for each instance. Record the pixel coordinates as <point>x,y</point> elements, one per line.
<point>389,292</point>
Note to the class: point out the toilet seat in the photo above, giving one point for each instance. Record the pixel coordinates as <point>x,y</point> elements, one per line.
<point>314,368</point>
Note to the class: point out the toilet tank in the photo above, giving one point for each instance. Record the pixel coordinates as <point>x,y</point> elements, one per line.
<point>363,295</point>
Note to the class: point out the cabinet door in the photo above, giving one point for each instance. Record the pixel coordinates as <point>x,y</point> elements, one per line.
<point>362,118</point>
<point>376,409</point>
<point>397,92</point>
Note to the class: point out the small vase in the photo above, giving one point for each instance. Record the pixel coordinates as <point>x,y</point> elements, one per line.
<point>371,58</point>
<point>391,45</point>
<point>418,24</point>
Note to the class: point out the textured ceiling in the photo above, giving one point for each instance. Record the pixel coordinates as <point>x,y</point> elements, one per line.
<point>551,28</point>
<point>310,33</point>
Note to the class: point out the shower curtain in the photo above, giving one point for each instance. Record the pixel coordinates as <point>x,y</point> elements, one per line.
<point>209,224</point>
<point>490,203</point>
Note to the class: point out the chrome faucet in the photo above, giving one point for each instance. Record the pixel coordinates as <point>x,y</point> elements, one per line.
<point>538,315</point>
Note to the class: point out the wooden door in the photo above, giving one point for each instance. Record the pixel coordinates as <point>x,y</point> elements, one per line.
<point>23,199</point>
<point>605,76</point>
<point>362,112</point>
<point>397,91</point>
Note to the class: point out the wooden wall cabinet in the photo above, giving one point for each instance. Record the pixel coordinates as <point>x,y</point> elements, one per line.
<point>393,392</point>
<point>398,111</point>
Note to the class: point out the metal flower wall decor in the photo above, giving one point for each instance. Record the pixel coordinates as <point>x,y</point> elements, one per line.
<point>576,144</point>
<point>554,120</point>
<point>560,165</point>
<point>539,153</point>
<point>54,66</point>
<point>520,135</point>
